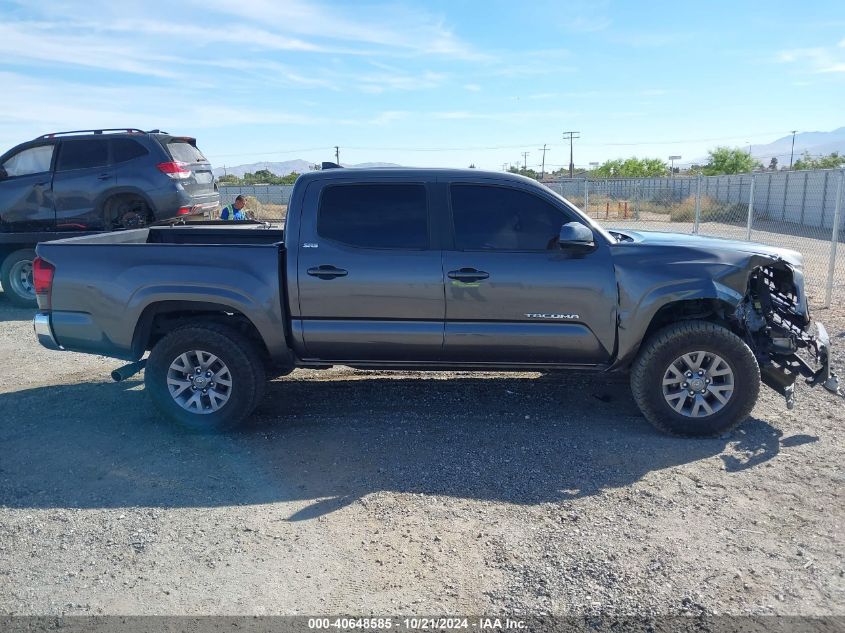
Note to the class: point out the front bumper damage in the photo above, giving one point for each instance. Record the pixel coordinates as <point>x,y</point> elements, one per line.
<point>776,321</point>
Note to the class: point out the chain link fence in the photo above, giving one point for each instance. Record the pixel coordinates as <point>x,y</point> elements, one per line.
<point>800,210</point>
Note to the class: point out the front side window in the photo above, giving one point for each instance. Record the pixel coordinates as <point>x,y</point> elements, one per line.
<point>375,216</point>
<point>83,154</point>
<point>34,160</point>
<point>487,217</point>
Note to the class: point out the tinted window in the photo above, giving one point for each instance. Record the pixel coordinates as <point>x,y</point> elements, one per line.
<point>30,161</point>
<point>124,149</point>
<point>375,216</point>
<point>499,218</point>
<point>185,152</point>
<point>83,154</point>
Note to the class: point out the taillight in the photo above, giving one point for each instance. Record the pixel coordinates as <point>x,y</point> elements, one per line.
<point>175,169</point>
<point>184,211</point>
<point>42,280</point>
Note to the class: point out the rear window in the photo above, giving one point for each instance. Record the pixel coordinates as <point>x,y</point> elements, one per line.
<point>185,152</point>
<point>83,154</point>
<point>375,216</point>
<point>124,149</point>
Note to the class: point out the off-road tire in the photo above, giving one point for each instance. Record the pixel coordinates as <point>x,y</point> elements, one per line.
<point>9,288</point>
<point>668,344</point>
<point>236,351</point>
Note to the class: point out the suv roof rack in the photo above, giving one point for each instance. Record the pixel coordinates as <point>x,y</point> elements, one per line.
<point>130,130</point>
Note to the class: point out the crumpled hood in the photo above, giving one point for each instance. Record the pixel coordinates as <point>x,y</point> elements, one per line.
<point>726,249</point>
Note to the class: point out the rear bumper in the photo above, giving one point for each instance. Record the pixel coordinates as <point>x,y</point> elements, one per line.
<point>44,331</point>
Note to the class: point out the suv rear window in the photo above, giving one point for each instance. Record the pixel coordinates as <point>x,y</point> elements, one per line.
<point>124,149</point>
<point>185,152</point>
<point>375,216</point>
<point>83,154</point>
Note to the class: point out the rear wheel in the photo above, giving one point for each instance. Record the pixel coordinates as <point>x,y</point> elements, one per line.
<point>695,379</point>
<point>16,277</point>
<point>205,377</point>
<point>126,212</point>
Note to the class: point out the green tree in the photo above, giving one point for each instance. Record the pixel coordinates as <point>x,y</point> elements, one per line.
<point>631,168</point>
<point>773,164</point>
<point>831,161</point>
<point>724,160</point>
<point>229,179</point>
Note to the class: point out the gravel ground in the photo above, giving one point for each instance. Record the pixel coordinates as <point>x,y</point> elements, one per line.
<point>409,493</point>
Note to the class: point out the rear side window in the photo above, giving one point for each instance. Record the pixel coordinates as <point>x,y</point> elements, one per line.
<point>124,149</point>
<point>83,154</point>
<point>499,218</point>
<point>34,160</point>
<point>375,216</point>
<point>185,152</point>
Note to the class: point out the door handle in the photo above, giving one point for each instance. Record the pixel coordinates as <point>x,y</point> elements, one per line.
<point>103,176</point>
<point>467,274</point>
<point>327,272</point>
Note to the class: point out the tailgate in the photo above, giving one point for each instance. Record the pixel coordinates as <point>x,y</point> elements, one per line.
<point>184,150</point>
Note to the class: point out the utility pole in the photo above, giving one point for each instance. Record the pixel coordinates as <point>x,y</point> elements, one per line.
<point>792,152</point>
<point>525,161</point>
<point>337,155</point>
<point>504,166</point>
<point>543,168</point>
<point>570,136</point>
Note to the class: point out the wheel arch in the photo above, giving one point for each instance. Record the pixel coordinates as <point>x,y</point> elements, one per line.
<point>157,319</point>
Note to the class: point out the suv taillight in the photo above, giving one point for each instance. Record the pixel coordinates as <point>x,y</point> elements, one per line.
<point>42,280</point>
<point>175,169</point>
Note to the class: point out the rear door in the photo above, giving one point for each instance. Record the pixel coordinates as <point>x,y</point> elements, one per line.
<point>512,295</point>
<point>81,183</point>
<point>26,197</point>
<point>370,283</point>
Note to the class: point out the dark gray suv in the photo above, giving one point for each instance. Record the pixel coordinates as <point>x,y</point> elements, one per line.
<point>93,180</point>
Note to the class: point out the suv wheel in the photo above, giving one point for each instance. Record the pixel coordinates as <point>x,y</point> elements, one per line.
<point>126,212</point>
<point>695,379</point>
<point>16,277</point>
<point>205,377</point>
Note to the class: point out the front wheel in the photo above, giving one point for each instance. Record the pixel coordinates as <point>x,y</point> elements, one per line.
<point>206,377</point>
<point>695,379</point>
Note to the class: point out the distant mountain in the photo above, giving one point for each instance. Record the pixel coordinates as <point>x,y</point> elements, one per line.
<point>280,169</point>
<point>283,168</point>
<point>814,143</point>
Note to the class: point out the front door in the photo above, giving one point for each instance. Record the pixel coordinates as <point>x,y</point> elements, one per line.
<point>512,295</point>
<point>370,284</point>
<point>26,198</point>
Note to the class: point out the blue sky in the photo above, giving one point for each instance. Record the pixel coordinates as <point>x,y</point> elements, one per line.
<point>428,83</point>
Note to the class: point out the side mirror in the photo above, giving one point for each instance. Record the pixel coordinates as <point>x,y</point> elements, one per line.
<point>574,235</point>
<point>3,174</point>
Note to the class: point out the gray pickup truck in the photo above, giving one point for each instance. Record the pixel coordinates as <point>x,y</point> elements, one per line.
<point>434,269</point>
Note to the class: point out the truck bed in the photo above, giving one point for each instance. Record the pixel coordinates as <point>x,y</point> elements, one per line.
<point>142,270</point>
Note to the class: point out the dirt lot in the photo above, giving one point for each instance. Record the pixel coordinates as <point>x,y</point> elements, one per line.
<point>409,493</point>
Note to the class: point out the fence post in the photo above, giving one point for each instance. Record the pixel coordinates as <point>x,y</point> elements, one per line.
<point>587,196</point>
<point>837,217</point>
<point>750,211</point>
<point>697,205</point>
<point>637,200</point>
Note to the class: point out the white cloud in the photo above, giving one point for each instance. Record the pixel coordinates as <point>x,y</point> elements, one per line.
<point>817,59</point>
<point>472,87</point>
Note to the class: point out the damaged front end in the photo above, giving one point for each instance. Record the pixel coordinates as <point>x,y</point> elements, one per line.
<point>776,321</point>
